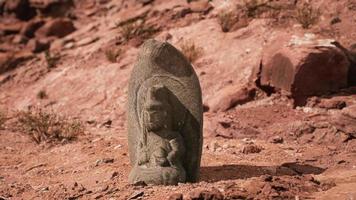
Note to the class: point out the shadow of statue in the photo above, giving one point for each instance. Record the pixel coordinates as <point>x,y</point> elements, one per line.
<point>233,172</point>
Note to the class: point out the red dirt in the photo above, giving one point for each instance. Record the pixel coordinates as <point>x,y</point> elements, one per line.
<point>314,160</point>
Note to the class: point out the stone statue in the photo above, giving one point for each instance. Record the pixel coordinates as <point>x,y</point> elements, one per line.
<point>164,117</point>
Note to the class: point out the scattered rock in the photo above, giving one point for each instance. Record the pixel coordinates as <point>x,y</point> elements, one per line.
<point>202,194</point>
<point>9,29</point>
<point>335,20</point>
<point>38,45</point>
<point>31,27</point>
<point>104,160</point>
<point>145,2</point>
<point>176,196</point>
<point>251,148</point>
<point>346,121</point>
<point>332,104</point>
<point>277,140</point>
<point>59,27</point>
<point>114,174</point>
<point>20,39</point>
<point>107,123</point>
<point>136,195</point>
<point>86,41</point>
<point>300,128</point>
<point>303,168</point>
<point>139,183</point>
<point>229,97</point>
<point>53,8</point>
<point>203,6</point>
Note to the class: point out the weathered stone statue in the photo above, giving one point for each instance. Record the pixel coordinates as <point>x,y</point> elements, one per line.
<point>164,117</point>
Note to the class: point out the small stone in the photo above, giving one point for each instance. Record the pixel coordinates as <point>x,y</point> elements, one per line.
<point>30,28</point>
<point>140,183</point>
<point>277,140</point>
<point>137,195</point>
<point>176,196</point>
<point>247,141</point>
<point>335,20</point>
<point>56,27</point>
<point>202,6</point>
<point>37,46</point>
<point>86,41</point>
<point>108,160</point>
<point>114,174</point>
<point>252,148</point>
<point>20,39</point>
<point>45,189</point>
<point>202,194</point>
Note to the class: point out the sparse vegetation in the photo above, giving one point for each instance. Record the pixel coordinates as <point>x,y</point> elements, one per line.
<point>112,55</point>
<point>137,29</point>
<point>2,119</point>
<point>307,15</point>
<point>42,94</point>
<point>43,126</point>
<point>51,60</point>
<point>254,8</point>
<point>191,51</point>
<point>226,20</point>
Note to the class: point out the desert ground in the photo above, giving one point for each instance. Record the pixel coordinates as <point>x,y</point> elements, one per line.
<point>268,132</point>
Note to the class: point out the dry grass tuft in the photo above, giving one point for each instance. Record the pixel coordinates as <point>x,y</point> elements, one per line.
<point>307,15</point>
<point>112,55</point>
<point>2,119</point>
<point>227,19</point>
<point>44,126</point>
<point>42,94</point>
<point>51,60</point>
<point>137,29</point>
<point>254,8</point>
<point>191,51</point>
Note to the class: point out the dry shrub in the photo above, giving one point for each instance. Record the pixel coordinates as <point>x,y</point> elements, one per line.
<point>51,60</point>
<point>43,126</point>
<point>307,15</point>
<point>137,29</point>
<point>191,51</point>
<point>2,119</point>
<point>42,94</point>
<point>254,8</point>
<point>112,55</point>
<point>227,19</point>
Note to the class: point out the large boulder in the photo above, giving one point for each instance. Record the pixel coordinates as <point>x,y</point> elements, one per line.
<point>303,67</point>
<point>56,27</point>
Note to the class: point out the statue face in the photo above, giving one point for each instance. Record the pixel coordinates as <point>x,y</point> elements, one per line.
<point>155,119</point>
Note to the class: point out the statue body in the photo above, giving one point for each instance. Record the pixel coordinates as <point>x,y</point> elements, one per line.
<point>163,127</point>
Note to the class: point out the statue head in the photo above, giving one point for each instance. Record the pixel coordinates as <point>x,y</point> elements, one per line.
<point>157,109</point>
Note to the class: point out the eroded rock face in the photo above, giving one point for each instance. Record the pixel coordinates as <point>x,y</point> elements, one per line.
<point>304,67</point>
<point>164,117</point>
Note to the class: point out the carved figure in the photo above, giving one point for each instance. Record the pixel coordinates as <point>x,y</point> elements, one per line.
<point>164,117</point>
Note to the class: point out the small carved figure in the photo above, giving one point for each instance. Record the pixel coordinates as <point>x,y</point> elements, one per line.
<point>167,146</point>
<point>164,117</point>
